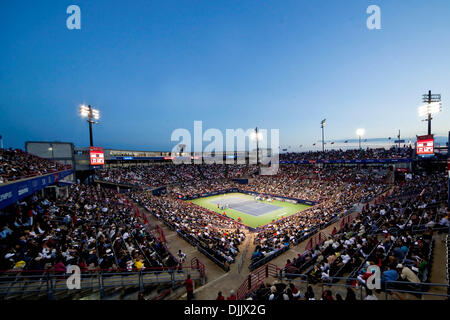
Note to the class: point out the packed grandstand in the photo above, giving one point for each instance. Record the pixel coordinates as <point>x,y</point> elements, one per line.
<point>111,226</point>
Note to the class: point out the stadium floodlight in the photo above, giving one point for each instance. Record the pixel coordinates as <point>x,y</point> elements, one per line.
<point>360,132</point>
<point>92,115</point>
<point>84,111</point>
<point>432,106</point>
<point>95,114</point>
<point>52,150</point>
<point>256,135</point>
<point>322,125</point>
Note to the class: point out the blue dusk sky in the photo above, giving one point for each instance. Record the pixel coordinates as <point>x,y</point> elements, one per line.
<point>151,67</point>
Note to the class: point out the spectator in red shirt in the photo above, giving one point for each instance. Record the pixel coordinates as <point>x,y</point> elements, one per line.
<point>220,297</point>
<point>232,295</point>
<point>189,287</point>
<point>327,295</point>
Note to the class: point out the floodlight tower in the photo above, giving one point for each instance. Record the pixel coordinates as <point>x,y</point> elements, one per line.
<point>92,115</point>
<point>360,133</point>
<point>257,145</point>
<point>256,135</point>
<point>322,125</point>
<point>433,105</point>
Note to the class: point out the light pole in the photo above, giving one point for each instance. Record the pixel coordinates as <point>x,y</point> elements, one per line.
<point>92,115</point>
<point>360,133</point>
<point>322,125</point>
<point>432,106</point>
<point>256,136</point>
<point>51,149</point>
<point>257,146</point>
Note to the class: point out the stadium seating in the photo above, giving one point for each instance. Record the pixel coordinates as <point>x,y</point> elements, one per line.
<point>17,164</point>
<point>351,154</point>
<point>99,229</point>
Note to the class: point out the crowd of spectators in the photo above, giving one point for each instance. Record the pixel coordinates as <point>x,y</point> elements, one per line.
<point>291,230</point>
<point>154,176</point>
<point>314,184</point>
<point>93,228</point>
<point>404,225</point>
<point>395,234</point>
<point>280,291</point>
<point>227,171</point>
<point>140,176</point>
<point>16,164</point>
<point>216,234</point>
<point>294,181</point>
<point>334,189</point>
<point>186,189</point>
<point>97,228</point>
<point>351,154</point>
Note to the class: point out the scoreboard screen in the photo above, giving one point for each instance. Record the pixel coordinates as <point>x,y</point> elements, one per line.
<point>97,156</point>
<point>448,170</point>
<point>425,145</point>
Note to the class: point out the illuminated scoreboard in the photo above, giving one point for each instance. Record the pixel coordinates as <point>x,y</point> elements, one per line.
<point>448,170</point>
<point>425,145</point>
<point>97,156</point>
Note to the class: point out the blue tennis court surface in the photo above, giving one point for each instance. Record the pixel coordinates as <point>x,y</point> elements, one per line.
<point>251,207</point>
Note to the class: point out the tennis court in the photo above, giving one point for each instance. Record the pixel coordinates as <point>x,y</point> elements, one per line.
<point>253,213</point>
<point>252,207</point>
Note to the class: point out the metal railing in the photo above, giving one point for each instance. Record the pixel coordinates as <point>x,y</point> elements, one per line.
<point>256,278</point>
<point>258,263</point>
<point>192,241</point>
<point>423,289</point>
<point>47,284</point>
<point>387,287</point>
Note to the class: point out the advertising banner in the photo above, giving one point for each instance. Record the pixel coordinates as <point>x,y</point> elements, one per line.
<point>13,192</point>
